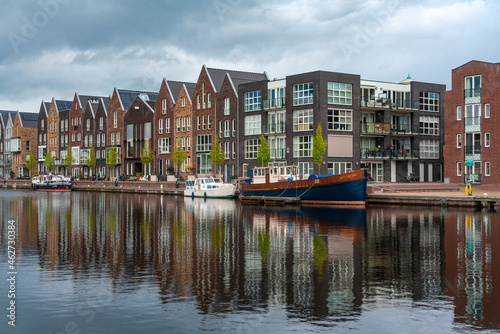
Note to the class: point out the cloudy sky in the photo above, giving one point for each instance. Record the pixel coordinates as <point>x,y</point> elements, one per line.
<point>54,48</point>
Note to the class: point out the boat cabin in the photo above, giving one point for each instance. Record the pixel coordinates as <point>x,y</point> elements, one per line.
<point>272,174</point>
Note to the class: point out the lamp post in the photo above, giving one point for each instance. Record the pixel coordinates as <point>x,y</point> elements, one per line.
<point>287,153</point>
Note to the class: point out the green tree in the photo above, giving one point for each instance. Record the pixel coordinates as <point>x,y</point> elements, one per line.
<point>264,155</point>
<point>146,155</point>
<point>178,155</point>
<point>319,147</point>
<point>68,160</point>
<point>30,162</point>
<point>49,161</point>
<point>92,159</point>
<point>112,158</point>
<point>217,155</point>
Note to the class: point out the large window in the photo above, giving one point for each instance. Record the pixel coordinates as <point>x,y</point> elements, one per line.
<point>252,100</point>
<point>459,113</point>
<point>251,148</point>
<point>303,94</point>
<point>164,145</point>
<point>459,168</point>
<point>340,120</point>
<point>204,143</point>
<point>302,120</point>
<point>302,146</point>
<point>429,101</point>
<point>339,167</point>
<point>253,125</point>
<point>429,149</point>
<point>340,93</point>
<point>473,89</point>
<point>429,125</point>
<point>227,106</point>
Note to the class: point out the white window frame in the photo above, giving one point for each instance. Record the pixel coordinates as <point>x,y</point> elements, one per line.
<point>459,168</point>
<point>429,125</point>
<point>487,139</point>
<point>164,106</point>
<point>459,140</point>
<point>253,100</point>
<point>227,128</point>
<point>302,146</point>
<point>486,110</point>
<point>340,93</point>
<point>167,125</point>
<point>303,120</point>
<point>160,126</point>
<point>340,119</point>
<point>429,101</point>
<point>429,148</point>
<point>487,168</point>
<point>227,106</point>
<point>115,119</point>
<point>251,148</point>
<point>253,125</point>
<point>303,94</point>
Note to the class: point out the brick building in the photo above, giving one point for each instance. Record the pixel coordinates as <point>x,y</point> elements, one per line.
<point>24,141</point>
<point>6,118</point>
<point>42,131</point>
<point>471,124</point>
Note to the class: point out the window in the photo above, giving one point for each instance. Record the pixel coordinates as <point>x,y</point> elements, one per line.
<point>220,129</point>
<point>227,150</point>
<point>188,123</point>
<point>72,137</point>
<point>178,124</point>
<point>204,143</point>
<point>340,93</point>
<point>188,143</point>
<point>226,106</point>
<point>209,122</point>
<point>234,127</point>
<point>203,122</point>
<point>62,126</point>
<point>340,120</point>
<point>160,126</point>
<point>90,140</point>
<point>459,168</point>
<point>487,139</point>
<point>43,124</point>
<point>251,148</point>
<point>429,101</point>
<point>103,139</point>
<point>112,138</point>
<point>459,140</point>
<point>167,125</point>
<point>147,130</point>
<point>487,110</point>
<point>233,144</point>
<point>252,100</point>
<point>303,94</point>
<point>253,125</point>
<point>27,145</point>
<point>198,101</point>
<point>198,122</point>
<point>429,149</point>
<point>429,125</point>
<point>209,100</point>
<point>79,136</point>
<point>118,138</point>
<point>88,124</point>
<point>183,101</point>
<point>115,119</point>
<point>227,130</point>
<point>487,168</point>
<point>339,167</point>
<point>163,145</point>
<point>459,113</point>
<point>302,146</point>
<point>473,89</point>
<point>101,123</point>
<point>98,141</point>
<point>66,125</point>
<point>164,106</point>
<point>302,120</point>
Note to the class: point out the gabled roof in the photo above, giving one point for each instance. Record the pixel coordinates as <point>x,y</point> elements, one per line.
<point>217,76</point>
<point>83,99</point>
<point>91,107</point>
<point>105,102</point>
<point>28,120</point>
<point>236,82</point>
<point>175,87</point>
<point>189,88</point>
<point>63,105</point>
<point>4,116</point>
<point>127,97</point>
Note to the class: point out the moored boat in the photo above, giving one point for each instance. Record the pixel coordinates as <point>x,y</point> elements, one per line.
<point>284,181</point>
<point>51,183</point>
<point>209,187</point>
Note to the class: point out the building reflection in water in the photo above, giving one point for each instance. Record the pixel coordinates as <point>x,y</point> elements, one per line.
<point>309,262</point>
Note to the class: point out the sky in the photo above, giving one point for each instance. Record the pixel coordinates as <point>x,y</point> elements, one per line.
<point>54,48</point>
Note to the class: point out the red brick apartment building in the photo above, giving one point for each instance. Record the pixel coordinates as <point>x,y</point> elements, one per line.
<point>471,151</point>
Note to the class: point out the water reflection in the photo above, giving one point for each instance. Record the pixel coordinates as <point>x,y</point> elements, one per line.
<point>318,265</point>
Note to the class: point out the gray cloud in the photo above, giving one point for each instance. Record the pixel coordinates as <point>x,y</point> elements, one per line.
<point>52,48</point>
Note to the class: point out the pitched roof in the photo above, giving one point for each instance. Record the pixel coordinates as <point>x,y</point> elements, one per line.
<point>83,99</point>
<point>5,115</point>
<point>127,97</point>
<point>63,105</point>
<point>217,76</point>
<point>29,119</point>
<point>176,86</point>
<point>91,107</point>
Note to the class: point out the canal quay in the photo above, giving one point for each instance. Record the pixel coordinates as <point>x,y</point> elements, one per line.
<point>123,262</point>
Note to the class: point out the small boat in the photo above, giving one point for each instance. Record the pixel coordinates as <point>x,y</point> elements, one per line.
<point>284,182</point>
<point>209,187</point>
<point>51,183</point>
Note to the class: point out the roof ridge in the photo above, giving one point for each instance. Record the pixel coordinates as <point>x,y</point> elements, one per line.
<point>226,70</point>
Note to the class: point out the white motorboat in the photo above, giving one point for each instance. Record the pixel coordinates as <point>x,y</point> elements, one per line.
<point>209,187</point>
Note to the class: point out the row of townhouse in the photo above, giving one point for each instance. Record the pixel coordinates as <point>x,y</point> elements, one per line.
<point>390,129</point>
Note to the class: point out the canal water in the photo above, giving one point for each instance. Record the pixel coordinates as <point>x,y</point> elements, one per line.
<point>124,263</point>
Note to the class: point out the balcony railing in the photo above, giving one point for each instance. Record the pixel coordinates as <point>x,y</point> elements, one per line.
<point>404,129</point>
<point>472,95</point>
<point>274,103</point>
<point>470,149</point>
<point>383,128</point>
<point>472,124</point>
<point>388,153</point>
<point>396,104</point>
<point>274,128</point>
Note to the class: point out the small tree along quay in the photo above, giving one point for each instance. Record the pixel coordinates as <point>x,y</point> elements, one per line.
<point>178,155</point>
<point>146,155</point>
<point>217,155</point>
<point>264,155</point>
<point>49,161</point>
<point>319,148</point>
<point>30,162</point>
<point>92,159</point>
<point>112,158</point>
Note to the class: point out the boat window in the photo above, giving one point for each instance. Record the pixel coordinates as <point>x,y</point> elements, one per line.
<point>209,181</point>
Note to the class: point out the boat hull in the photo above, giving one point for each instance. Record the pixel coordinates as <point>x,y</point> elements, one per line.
<point>348,189</point>
<point>58,187</point>
<point>225,192</point>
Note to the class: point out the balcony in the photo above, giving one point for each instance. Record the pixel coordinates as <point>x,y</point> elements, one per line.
<point>397,104</point>
<point>473,152</point>
<point>389,153</point>
<point>404,129</point>
<point>15,145</point>
<point>472,124</point>
<point>472,95</point>
<point>375,128</point>
<point>274,103</point>
<point>274,128</point>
